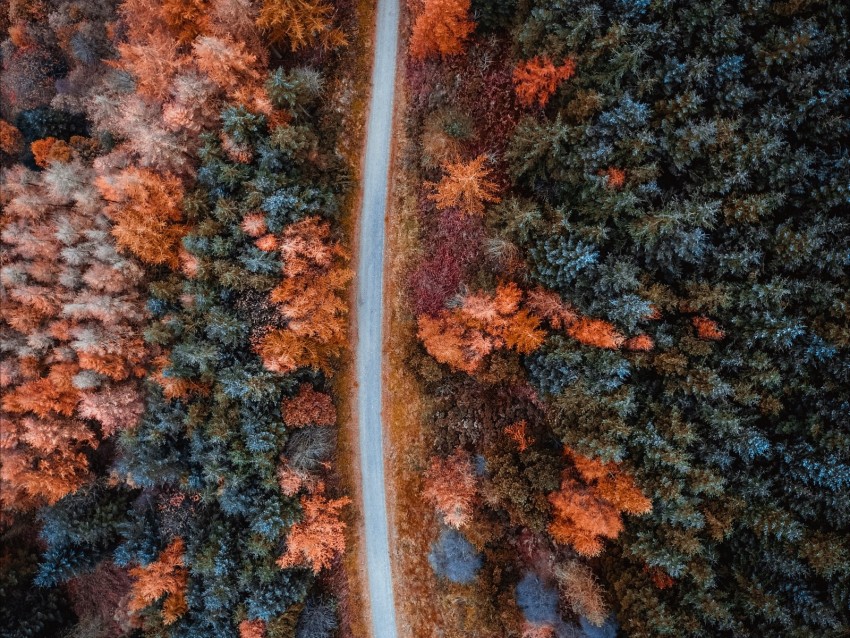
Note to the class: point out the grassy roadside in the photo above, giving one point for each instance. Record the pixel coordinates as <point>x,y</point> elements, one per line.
<point>351,96</point>
<point>404,405</point>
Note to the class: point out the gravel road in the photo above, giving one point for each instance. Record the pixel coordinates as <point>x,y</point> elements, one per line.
<point>370,286</point>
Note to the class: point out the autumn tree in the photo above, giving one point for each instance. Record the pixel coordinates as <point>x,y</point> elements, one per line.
<point>301,23</point>
<point>588,508</point>
<point>320,536</point>
<point>580,589</point>
<point>145,209</point>
<point>70,325</point>
<point>464,336</point>
<point>450,486</point>
<point>441,28</point>
<point>309,407</point>
<point>535,80</point>
<point>518,433</point>
<point>310,298</point>
<point>165,578</point>
<point>466,186</point>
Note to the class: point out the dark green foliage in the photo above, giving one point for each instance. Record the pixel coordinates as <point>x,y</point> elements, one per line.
<point>209,457</point>
<point>295,89</point>
<point>26,610</point>
<point>80,530</point>
<point>730,124</point>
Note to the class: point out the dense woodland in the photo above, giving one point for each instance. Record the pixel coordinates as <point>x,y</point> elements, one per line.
<point>632,314</point>
<point>174,281</point>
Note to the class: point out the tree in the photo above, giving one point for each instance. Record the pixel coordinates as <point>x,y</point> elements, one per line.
<point>165,577</point>
<point>588,510</point>
<point>310,299</point>
<point>145,208</point>
<point>186,19</point>
<point>300,22</point>
<point>450,486</point>
<point>252,629</point>
<point>535,80</point>
<point>463,337</point>
<point>465,186</point>
<point>441,27</point>
<point>454,558</point>
<point>578,586</point>
<point>319,538</point>
<point>518,432</point>
<point>309,407</point>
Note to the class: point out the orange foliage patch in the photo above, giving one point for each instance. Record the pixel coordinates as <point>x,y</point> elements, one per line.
<point>465,186</point>
<point>300,22</point>
<point>146,210</point>
<point>535,80</point>
<point>319,538</point>
<point>50,150</point>
<point>597,333</point>
<point>441,28</point>
<point>11,140</point>
<point>166,576</point>
<point>463,337</point>
<point>707,328</point>
<point>586,511</point>
<point>311,297</point>
<point>252,629</point>
<point>186,19</point>
<point>309,407</point>
<point>661,579</point>
<point>450,486</point>
<point>640,343</point>
<point>518,432</point>
<point>616,178</point>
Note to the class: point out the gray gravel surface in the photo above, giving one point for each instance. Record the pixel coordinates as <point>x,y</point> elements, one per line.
<point>370,285</point>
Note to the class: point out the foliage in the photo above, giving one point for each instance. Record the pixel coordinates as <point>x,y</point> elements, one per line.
<point>538,78</point>
<point>300,22</point>
<point>453,557</point>
<point>465,186</point>
<point>441,27</point>
<point>450,487</point>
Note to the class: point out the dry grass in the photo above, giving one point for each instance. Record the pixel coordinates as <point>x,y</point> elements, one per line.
<point>351,98</point>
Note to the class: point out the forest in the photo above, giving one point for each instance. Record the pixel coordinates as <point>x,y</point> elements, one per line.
<point>174,285</point>
<point>616,315</point>
<point>627,308</point>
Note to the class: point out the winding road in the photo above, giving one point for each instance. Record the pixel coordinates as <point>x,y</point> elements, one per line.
<point>370,287</point>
